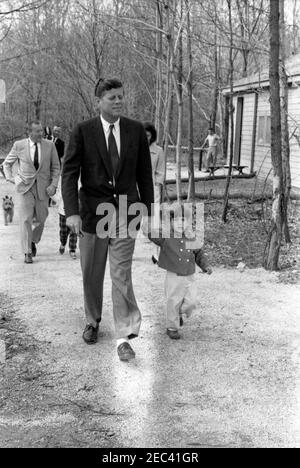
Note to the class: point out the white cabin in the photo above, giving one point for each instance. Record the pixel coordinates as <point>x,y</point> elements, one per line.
<point>252,135</point>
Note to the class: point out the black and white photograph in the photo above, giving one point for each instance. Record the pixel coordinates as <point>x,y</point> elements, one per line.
<point>150,227</point>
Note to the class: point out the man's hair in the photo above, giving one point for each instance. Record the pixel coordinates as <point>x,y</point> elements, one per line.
<point>104,85</point>
<point>32,122</point>
<point>149,127</point>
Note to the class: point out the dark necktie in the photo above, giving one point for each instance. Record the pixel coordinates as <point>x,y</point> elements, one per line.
<point>113,150</point>
<point>36,157</point>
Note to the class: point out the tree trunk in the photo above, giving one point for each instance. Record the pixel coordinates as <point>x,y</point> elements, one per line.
<point>226,194</point>
<point>284,125</point>
<point>179,95</point>
<point>213,115</point>
<point>159,58</point>
<point>169,91</point>
<point>191,187</point>
<point>272,249</point>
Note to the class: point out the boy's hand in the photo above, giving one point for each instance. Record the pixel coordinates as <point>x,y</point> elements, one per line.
<point>146,225</point>
<point>51,190</point>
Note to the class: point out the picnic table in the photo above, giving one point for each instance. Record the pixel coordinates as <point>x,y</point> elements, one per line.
<point>237,167</point>
<point>212,169</point>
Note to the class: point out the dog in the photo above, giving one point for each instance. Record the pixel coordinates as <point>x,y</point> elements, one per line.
<point>8,209</point>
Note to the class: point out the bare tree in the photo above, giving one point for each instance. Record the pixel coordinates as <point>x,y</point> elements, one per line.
<point>272,250</point>
<point>284,122</point>
<point>231,64</point>
<point>191,188</point>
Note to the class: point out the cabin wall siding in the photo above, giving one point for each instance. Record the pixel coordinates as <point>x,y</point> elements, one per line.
<point>262,160</point>
<point>294,130</point>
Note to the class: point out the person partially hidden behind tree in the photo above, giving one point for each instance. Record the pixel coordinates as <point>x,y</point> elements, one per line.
<point>59,143</point>
<point>179,262</point>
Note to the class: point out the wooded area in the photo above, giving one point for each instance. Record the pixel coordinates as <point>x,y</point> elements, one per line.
<point>174,57</point>
<point>165,51</point>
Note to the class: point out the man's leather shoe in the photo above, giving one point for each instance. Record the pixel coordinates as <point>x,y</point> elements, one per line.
<point>125,352</point>
<point>90,334</point>
<point>28,258</point>
<point>173,334</point>
<point>33,249</point>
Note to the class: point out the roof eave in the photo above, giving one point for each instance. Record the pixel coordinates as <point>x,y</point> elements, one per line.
<point>252,86</point>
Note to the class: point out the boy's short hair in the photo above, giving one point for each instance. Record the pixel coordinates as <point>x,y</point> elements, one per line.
<point>106,84</point>
<point>177,210</point>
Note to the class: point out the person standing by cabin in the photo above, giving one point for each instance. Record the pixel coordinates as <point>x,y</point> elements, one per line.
<point>211,141</point>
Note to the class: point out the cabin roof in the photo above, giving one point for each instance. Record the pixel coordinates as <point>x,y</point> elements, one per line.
<point>261,79</point>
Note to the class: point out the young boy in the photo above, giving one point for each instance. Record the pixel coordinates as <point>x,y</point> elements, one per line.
<point>179,262</point>
<point>64,230</point>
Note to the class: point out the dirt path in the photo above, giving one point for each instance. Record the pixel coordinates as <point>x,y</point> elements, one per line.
<point>232,381</point>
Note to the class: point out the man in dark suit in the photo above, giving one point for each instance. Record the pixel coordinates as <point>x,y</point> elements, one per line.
<point>59,143</point>
<point>110,154</point>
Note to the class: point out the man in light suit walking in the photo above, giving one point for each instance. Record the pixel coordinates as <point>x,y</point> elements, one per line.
<point>110,154</point>
<point>36,180</point>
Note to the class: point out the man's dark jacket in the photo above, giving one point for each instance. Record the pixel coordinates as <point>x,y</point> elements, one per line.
<point>87,157</point>
<point>60,148</point>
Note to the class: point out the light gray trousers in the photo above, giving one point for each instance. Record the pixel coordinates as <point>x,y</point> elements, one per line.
<point>181,298</point>
<point>93,256</point>
<point>32,210</point>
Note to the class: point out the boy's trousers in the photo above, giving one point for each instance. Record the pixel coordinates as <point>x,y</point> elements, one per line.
<point>181,296</point>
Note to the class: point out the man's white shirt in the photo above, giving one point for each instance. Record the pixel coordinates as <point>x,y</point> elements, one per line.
<point>32,150</point>
<point>116,132</point>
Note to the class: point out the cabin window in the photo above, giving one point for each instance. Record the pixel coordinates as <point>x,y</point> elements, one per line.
<point>264,130</point>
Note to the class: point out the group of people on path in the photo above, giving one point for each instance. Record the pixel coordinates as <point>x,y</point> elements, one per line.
<point>109,157</point>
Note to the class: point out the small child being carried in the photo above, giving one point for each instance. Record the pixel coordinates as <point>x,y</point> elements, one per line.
<point>179,262</point>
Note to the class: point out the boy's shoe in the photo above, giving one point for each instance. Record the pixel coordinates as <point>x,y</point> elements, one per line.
<point>173,334</point>
<point>125,352</point>
<point>28,258</point>
<point>90,334</point>
<point>73,254</point>
<point>61,249</point>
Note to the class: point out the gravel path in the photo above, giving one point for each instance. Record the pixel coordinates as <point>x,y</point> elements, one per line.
<point>232,381</point>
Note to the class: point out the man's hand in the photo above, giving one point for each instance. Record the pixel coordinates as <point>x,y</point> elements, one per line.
<point>51,190</point>
<point>74,223</point>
